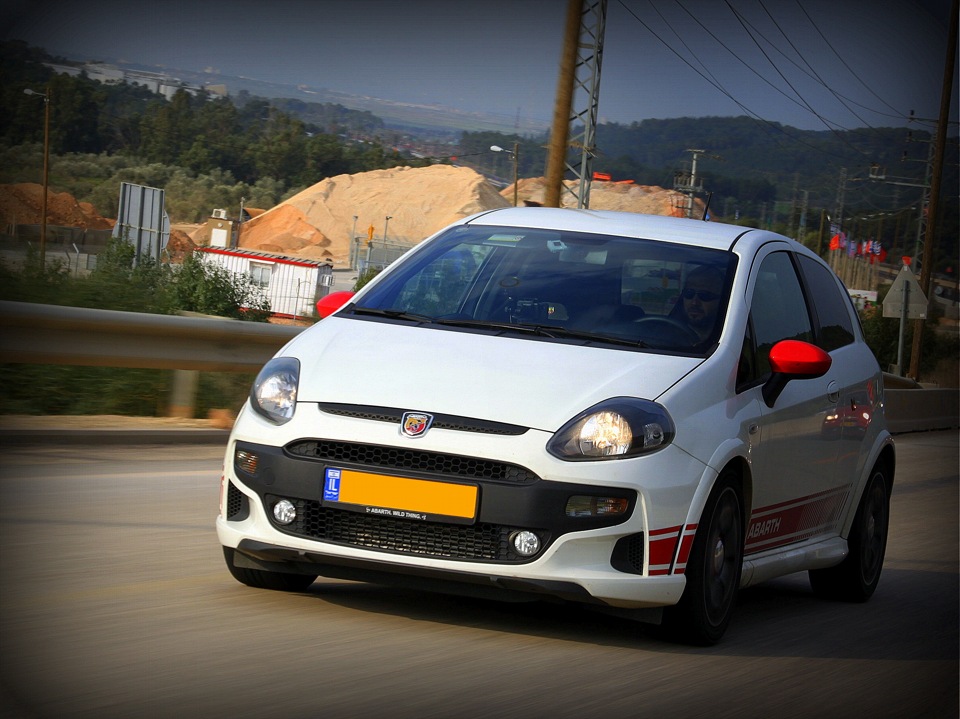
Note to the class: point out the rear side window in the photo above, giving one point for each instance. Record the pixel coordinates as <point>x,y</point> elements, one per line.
<point>831,305</point>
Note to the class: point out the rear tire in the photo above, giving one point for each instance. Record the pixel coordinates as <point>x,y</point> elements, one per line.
<point>855,579</point>
<point>261,579</point>
<point>713,571</point>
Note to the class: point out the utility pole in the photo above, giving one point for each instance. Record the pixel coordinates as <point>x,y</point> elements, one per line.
<point>580,65</point>
<point>802,231</point>
<point>46,170</point>
<point>687,183</point>
<point>940,144</point>
<point>793,201</point>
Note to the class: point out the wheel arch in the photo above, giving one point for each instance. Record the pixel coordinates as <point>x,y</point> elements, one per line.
<point>887,458</point>
<point>884,454</point>
<point>733,459</point>
<point>731,455</point>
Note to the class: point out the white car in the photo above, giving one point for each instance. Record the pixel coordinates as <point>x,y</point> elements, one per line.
<point>639,413</point>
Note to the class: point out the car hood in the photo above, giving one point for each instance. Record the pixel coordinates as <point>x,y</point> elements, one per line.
<point>537,384</point>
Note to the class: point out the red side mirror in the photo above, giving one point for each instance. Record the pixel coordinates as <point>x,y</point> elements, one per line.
<point>799,359</point>
<point>792,359</point>
<point>326,306</point>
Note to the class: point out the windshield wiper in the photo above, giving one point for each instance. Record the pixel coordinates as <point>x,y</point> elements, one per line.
<point>543,331</point>
<point>564,333</point>
<point>393,314</point>
<point>487,325</point>
<point>539,330</point>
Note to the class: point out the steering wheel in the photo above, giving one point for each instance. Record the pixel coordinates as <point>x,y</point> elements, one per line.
<point>666,331</point>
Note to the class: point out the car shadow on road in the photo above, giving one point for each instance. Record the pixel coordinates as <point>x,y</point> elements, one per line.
<point>912,615</point>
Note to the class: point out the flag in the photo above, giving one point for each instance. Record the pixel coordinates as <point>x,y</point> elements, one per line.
<point>835,242</point>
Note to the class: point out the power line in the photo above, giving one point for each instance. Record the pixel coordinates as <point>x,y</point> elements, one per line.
<point>806,104</point>
<point>767,124</point>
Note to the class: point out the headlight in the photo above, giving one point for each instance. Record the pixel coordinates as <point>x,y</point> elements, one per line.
<point>274,392</point>
<point>615,429</point>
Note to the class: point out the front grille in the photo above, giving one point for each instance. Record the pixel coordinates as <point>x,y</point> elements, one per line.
<point>411,460</point>
<point>481,541</point>
<point>440,421</point>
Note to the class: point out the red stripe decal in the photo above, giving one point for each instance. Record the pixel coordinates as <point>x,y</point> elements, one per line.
<point>794,521</point>
<point>669,549</point>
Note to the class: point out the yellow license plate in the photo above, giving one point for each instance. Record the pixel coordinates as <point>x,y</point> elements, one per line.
<point>401,497</point>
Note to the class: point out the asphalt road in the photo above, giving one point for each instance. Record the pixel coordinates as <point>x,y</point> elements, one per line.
<point>114,602</point>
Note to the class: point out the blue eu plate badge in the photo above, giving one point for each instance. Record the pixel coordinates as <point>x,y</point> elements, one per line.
<point>331,485</point>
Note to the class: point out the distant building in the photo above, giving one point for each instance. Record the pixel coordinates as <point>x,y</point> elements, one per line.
<point>292,284</point>
<point>111,75</point>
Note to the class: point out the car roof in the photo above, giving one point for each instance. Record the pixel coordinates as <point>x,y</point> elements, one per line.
<point>714,235</point>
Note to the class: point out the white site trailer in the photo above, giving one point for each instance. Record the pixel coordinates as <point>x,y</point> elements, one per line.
<point>292,284</point>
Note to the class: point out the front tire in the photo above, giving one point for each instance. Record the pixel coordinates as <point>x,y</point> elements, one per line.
<point>713,571</point>
<point>260,579</point>
<point>855,579</point>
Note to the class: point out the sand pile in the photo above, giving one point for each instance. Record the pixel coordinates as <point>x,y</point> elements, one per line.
<point>621,196</point>
<point>318,222</point>
<point>20,205</point>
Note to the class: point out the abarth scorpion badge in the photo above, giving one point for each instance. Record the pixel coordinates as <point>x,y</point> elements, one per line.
<point>415,424</point>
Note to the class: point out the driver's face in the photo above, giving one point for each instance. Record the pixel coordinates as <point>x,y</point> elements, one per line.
<point>701,298</point>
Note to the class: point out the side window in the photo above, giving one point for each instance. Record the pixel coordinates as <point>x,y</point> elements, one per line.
<point>830,303</point>
<point>778,311</point>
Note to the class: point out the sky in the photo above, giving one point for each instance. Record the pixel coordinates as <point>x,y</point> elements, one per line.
<point>810,64</point>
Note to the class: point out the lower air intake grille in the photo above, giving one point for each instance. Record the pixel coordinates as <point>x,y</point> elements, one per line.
<point>237,506</point>
<point>628,554</point>
<point>481,541</point>
<point>410,460</point>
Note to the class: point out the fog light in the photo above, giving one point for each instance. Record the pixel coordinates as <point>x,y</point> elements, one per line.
<point>284,511</point>
<point>583,506</point>
<point>526,543</point>
<point>246,461</point>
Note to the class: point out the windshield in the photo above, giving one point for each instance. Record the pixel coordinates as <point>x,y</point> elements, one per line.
<point>560,285</point>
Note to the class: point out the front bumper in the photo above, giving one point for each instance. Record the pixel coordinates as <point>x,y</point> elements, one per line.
<point>627,561</point>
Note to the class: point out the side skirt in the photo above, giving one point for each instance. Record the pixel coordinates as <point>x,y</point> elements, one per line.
<point>782,561</point>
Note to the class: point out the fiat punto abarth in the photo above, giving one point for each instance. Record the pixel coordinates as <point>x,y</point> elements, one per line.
<point>637,413</point>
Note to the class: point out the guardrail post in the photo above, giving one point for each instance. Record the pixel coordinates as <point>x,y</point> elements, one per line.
<point>183,395</point>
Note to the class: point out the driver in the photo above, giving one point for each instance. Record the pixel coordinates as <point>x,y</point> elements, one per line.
<point>700,299</point>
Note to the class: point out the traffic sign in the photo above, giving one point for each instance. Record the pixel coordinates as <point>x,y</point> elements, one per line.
<point>905,291</point>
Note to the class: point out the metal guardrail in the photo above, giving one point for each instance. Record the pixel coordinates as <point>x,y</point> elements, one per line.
<point>49,334</point>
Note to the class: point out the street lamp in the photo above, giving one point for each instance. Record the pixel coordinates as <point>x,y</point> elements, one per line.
<point>515,153</point>
<point>46,164</point>
<point>386,222</point>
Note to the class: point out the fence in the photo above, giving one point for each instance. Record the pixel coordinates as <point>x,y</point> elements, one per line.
<point>376,254</point>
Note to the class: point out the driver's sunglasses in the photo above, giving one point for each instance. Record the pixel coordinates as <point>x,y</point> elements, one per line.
<point>702,295</point>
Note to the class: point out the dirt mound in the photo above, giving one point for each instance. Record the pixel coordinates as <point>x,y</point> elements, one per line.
<point>620,196</point>
<point>318,222</point>
<point>179,245</point>
<point>285,230</point>
<point>20,204</point>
